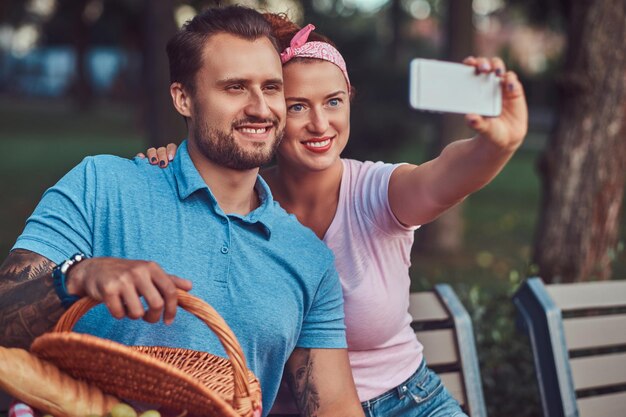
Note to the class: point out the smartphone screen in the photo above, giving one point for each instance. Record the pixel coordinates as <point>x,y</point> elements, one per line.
<point>453,88</point>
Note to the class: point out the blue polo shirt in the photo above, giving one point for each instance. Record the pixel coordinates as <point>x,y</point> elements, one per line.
<point>270,277</point>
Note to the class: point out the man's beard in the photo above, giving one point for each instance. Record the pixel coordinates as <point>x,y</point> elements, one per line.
<point>221,147</point>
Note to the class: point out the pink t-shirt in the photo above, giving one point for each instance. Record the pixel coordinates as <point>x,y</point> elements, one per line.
<point>372,255</point>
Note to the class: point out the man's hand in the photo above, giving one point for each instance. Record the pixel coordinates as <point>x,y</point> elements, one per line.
<point>321,383</point>
<point>119,284</point>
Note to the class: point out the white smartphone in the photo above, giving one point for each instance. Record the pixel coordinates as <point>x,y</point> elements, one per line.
<point>453,88</point>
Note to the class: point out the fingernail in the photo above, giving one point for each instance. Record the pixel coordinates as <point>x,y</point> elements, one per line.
<point>162,163</point>
<point>510,86</point>
<point>473,122</point>
<point>498,71</point>
<point>170,157</point>
<point>484,67</point>
<point>153,159</point>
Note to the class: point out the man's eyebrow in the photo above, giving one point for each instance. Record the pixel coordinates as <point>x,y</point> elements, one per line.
<point>278,81</point>
<point>226,81</point>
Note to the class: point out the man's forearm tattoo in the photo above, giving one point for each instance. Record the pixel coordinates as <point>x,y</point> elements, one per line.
<point>28,304</point>
<point>302,383</point>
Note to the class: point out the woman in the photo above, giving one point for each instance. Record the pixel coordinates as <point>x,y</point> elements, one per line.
<point>367,212</point>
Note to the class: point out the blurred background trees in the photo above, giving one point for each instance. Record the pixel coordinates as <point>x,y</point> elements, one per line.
<point>79,77</point>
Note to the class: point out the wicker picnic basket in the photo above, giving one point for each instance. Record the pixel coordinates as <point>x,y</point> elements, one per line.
<point>177,379</point>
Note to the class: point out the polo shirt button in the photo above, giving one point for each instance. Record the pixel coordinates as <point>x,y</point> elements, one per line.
<point>224,249</point>
<point>224,221</point>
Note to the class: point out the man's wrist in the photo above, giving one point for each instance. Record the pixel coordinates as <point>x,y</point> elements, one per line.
<point>59,279</point>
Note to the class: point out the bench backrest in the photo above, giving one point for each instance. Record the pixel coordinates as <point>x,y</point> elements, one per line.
<point>578,337</point>
<point>444,328</point>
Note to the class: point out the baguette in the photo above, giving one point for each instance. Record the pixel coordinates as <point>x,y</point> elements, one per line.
<point>45,387</point>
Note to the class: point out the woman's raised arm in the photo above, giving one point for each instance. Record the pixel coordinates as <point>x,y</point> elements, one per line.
<point>419,194</point>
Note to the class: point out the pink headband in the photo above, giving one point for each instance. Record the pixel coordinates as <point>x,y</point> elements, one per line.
<point>300,48</point>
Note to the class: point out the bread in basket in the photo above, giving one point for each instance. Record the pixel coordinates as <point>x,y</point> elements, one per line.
<point>178,379</point>
<point>43,386</point>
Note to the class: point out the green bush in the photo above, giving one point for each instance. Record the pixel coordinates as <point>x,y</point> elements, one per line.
<point>503,350</point>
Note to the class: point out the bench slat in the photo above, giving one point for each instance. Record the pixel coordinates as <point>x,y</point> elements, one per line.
<point>610,405</point>
<point>582,295</point>
<point>439,346</point>
<point>593,332</point>
<point>599,371</point>
<point>454,384</point>
<point>425,306</point>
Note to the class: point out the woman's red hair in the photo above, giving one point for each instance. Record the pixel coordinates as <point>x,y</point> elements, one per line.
<point>284,29</point>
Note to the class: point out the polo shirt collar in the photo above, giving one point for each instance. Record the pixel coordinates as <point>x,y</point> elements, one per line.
<point>189,180</point>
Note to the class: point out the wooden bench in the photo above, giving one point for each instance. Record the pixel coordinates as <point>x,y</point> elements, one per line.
<point>444,328</point>
<point>578,337</point>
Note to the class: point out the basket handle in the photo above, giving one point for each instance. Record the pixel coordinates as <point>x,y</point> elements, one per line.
<point>201,310</point>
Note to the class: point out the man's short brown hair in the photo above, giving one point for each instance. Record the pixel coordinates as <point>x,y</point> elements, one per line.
<point>184,50</point>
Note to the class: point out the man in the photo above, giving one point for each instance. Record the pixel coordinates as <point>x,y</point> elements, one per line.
<point>208,218</point>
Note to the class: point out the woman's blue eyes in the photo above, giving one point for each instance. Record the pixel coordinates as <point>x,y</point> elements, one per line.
<point>333,102</point>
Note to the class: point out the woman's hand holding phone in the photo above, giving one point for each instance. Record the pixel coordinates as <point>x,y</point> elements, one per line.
<point>507,130</point>
<point>491,97</point>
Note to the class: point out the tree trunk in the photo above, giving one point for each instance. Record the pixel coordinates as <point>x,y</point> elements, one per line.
<point>396,32</point>
<point>163,123</point>
<point>582,167</point>
<point>445,235</point>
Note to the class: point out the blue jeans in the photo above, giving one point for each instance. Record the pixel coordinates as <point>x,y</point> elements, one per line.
<point>422,395</point>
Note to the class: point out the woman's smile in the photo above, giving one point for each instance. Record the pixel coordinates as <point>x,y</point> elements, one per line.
<point>318,145</point>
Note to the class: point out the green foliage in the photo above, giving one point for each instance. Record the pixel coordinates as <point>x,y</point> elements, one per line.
<point>503,351</point>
